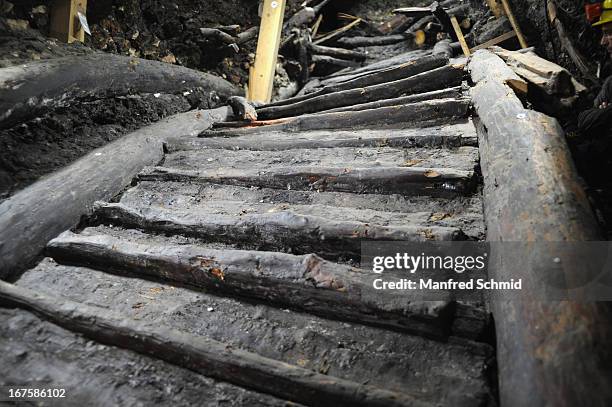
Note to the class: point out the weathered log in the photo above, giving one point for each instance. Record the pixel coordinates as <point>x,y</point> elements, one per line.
<point>242,109</point>
<point>438,78</point>
<point>33,216</point>
<point>559,347</point>
<point>340,53</point>
<point>376,77</point>
<point>306,282</point>
<point>33,89</point>
<point>343,63</point>
<point>449,136</point>
<point>280,231</point>
<point>448,93</point>
<point>428,111</point>
<point>202,355</point>
<point>390,180</point>
<point>355,42</point>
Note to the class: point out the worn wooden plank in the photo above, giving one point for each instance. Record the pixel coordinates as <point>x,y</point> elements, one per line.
<point>389,180</point>
<point>425,113</point>
<point>450,136</point>
<point>281,229</point>
<point>460,212</point>
<point>201,354</point>
<point>342,157</point>
<point>387,359</point>
<point>306,283</point>
<point>261,79</point>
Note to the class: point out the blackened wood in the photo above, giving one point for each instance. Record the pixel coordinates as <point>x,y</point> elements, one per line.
<point>443,47</point>
<point>390,180</point>
<point>286,230</point>
<point>202,355</point>
<point>439,78</point>
<point>532,193</point>
<point>306,282</point>
<point>33,216</point>
<point>31,90</point>
<point>403,70</point>
<point>340,53</point>
<point>356,42</point>
<point>428,111</point>
<point>449,93</point>
<point>449,136</point>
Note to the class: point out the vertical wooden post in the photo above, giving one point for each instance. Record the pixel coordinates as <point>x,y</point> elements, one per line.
<point>261,78</point>
<point>65,24</point>
<point>457,28</point>
<point>514,24</point>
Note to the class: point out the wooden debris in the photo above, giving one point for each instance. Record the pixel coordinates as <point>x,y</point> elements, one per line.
<point>65,25</point>
<point>459,34</point>
<point>340,53</point>
<point>514,23</point>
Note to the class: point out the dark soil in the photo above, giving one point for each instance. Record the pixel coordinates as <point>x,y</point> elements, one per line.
<point>42,145</point>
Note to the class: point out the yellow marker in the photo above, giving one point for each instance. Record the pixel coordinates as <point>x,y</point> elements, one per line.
<point>65,25</point>
<point>261,78</point>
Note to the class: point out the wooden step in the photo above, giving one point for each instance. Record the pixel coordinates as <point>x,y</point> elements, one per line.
<point>382,358</point>
<point>283,230</point>
<point>203,355</point>
<point>411,181</point>
<point>463,158</point>
<point>453,135</point>
<point>304,282</point>
<point>464,213</point>
<point>43,354</point>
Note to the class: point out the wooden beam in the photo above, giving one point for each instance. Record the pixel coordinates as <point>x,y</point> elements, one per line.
<point>65,25</point>
<point>514,24</point>
<point>495,41</point>
<point>457,28</point>
<point>261,79</point>
<point>495,9</point>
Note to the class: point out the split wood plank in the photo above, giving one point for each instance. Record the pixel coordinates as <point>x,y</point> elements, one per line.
<point>65,25</point>
<point>261,79</point>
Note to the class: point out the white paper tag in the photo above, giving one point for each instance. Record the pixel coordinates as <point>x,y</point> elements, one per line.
<point>83,20</point>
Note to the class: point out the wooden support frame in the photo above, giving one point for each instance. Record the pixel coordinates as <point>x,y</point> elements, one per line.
<point>460,37</point>
<point>65,25</point>
<point>261,78</point>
